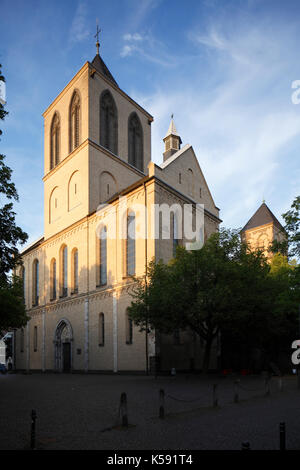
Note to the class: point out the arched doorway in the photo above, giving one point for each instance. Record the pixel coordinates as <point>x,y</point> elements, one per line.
<point>63,346</point>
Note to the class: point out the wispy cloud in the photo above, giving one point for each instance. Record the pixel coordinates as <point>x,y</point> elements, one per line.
<point>148,48</point>
<point>79,29</point>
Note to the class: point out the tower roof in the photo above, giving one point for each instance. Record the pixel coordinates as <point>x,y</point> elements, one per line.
<point>172,130</point>
<point>99,65</point>
<point>262,216</point>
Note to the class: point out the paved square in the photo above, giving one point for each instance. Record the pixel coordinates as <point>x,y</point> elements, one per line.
<point>81,412</point>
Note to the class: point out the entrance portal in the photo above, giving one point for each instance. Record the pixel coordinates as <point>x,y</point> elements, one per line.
<point>63,346</point>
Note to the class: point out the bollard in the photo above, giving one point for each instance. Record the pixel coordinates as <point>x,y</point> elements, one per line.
<point>161,403</point>
<point>123,410</point>
<point>268,391</point>
<point>33,432</point>
<point>280,384</point>
<point>236,391</point>
<point>282,436</point>
<point>215,395</point>
<point>246,445</point>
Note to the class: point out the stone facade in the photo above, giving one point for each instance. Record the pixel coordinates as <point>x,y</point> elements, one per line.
<point>76,322</point>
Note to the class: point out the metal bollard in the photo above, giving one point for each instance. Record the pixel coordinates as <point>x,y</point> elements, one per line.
<point>282,436</point>
<point>215,395</point>
<point>246,445</point>
<point>161,403</point>
<point>123,410</point>
<point>236,391</point>
<point>33,431</point>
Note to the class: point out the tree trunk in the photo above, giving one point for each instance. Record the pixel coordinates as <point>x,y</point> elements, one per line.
<point>206,357</point>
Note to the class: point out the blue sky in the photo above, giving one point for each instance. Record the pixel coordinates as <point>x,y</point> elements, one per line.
<point>224,68</point>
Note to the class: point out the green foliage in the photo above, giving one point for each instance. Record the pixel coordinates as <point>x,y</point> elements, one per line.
<point>11,291</point>
<point>291,243</point>
<point>221,287</point>
<point>10,234</point>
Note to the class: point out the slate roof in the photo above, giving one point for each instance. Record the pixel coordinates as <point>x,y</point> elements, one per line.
<point>262,216</point>
<point>99,65</point>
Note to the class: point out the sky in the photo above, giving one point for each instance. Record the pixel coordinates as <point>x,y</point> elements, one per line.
<point>225,69</point>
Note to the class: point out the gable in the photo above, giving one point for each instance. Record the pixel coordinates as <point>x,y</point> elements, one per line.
<point>183,172</point>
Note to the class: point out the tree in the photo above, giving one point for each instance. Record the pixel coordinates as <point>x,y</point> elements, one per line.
<point>11,293</point>
<point>221,286</point>
<point>13,314</point>
<point>291,242</point>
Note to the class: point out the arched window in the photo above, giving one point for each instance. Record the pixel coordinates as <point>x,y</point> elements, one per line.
<point>101,329</point>
<point>103,257</point>
<point>191,182</point>
<point>35,339</point>
<point>74,122</point>
<point>108,122</point>
<point>53,279</point>
<point>22,340</point>
<point>75,271</point>
<point>130,244</point>
<point>23,277</point>
<point>174,233</point>
<point>135,142</point>
<point>35,283</point>
<point>129,328</point>
<point>64,271</point>
<point>54,141</point>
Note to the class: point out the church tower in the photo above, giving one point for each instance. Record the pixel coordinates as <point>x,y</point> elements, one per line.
<point>262,229</point>
<point>172,141</point>
<point>97,142</point>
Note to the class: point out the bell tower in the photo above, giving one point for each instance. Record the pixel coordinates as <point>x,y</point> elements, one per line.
<point>172,141</point>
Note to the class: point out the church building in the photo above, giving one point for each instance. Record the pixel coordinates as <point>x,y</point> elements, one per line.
<point>77,277</point>
<point>262,229</point>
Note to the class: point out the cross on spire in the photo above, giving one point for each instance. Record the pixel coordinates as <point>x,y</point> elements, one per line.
<point>98,30</point>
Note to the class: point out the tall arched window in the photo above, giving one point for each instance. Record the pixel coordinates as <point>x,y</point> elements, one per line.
<point>101,329</point>
<point>108,122</point>
<point>54,141</point>
<point>103,256</point>
<point>174,233</point>
<point>130,244</point>
<point>64,271</point>
<point>35,339</point>
<point>23,277</point>
<point>129,329</point>
<point>135,142</point>
<point>191,182</point>
<point>74,122</point>
<point>75,271</point>
<point>53,279</point>
<point>35,282</point>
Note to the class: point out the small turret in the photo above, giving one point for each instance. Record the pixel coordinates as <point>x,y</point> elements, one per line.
<point>172,141</point>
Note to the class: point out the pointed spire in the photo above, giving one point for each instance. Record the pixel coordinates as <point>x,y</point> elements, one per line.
<point>172,128</point>
<point>172,140</point>
<point>98,62</point>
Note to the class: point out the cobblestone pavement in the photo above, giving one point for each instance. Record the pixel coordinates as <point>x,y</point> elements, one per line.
<point>81,412</point>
